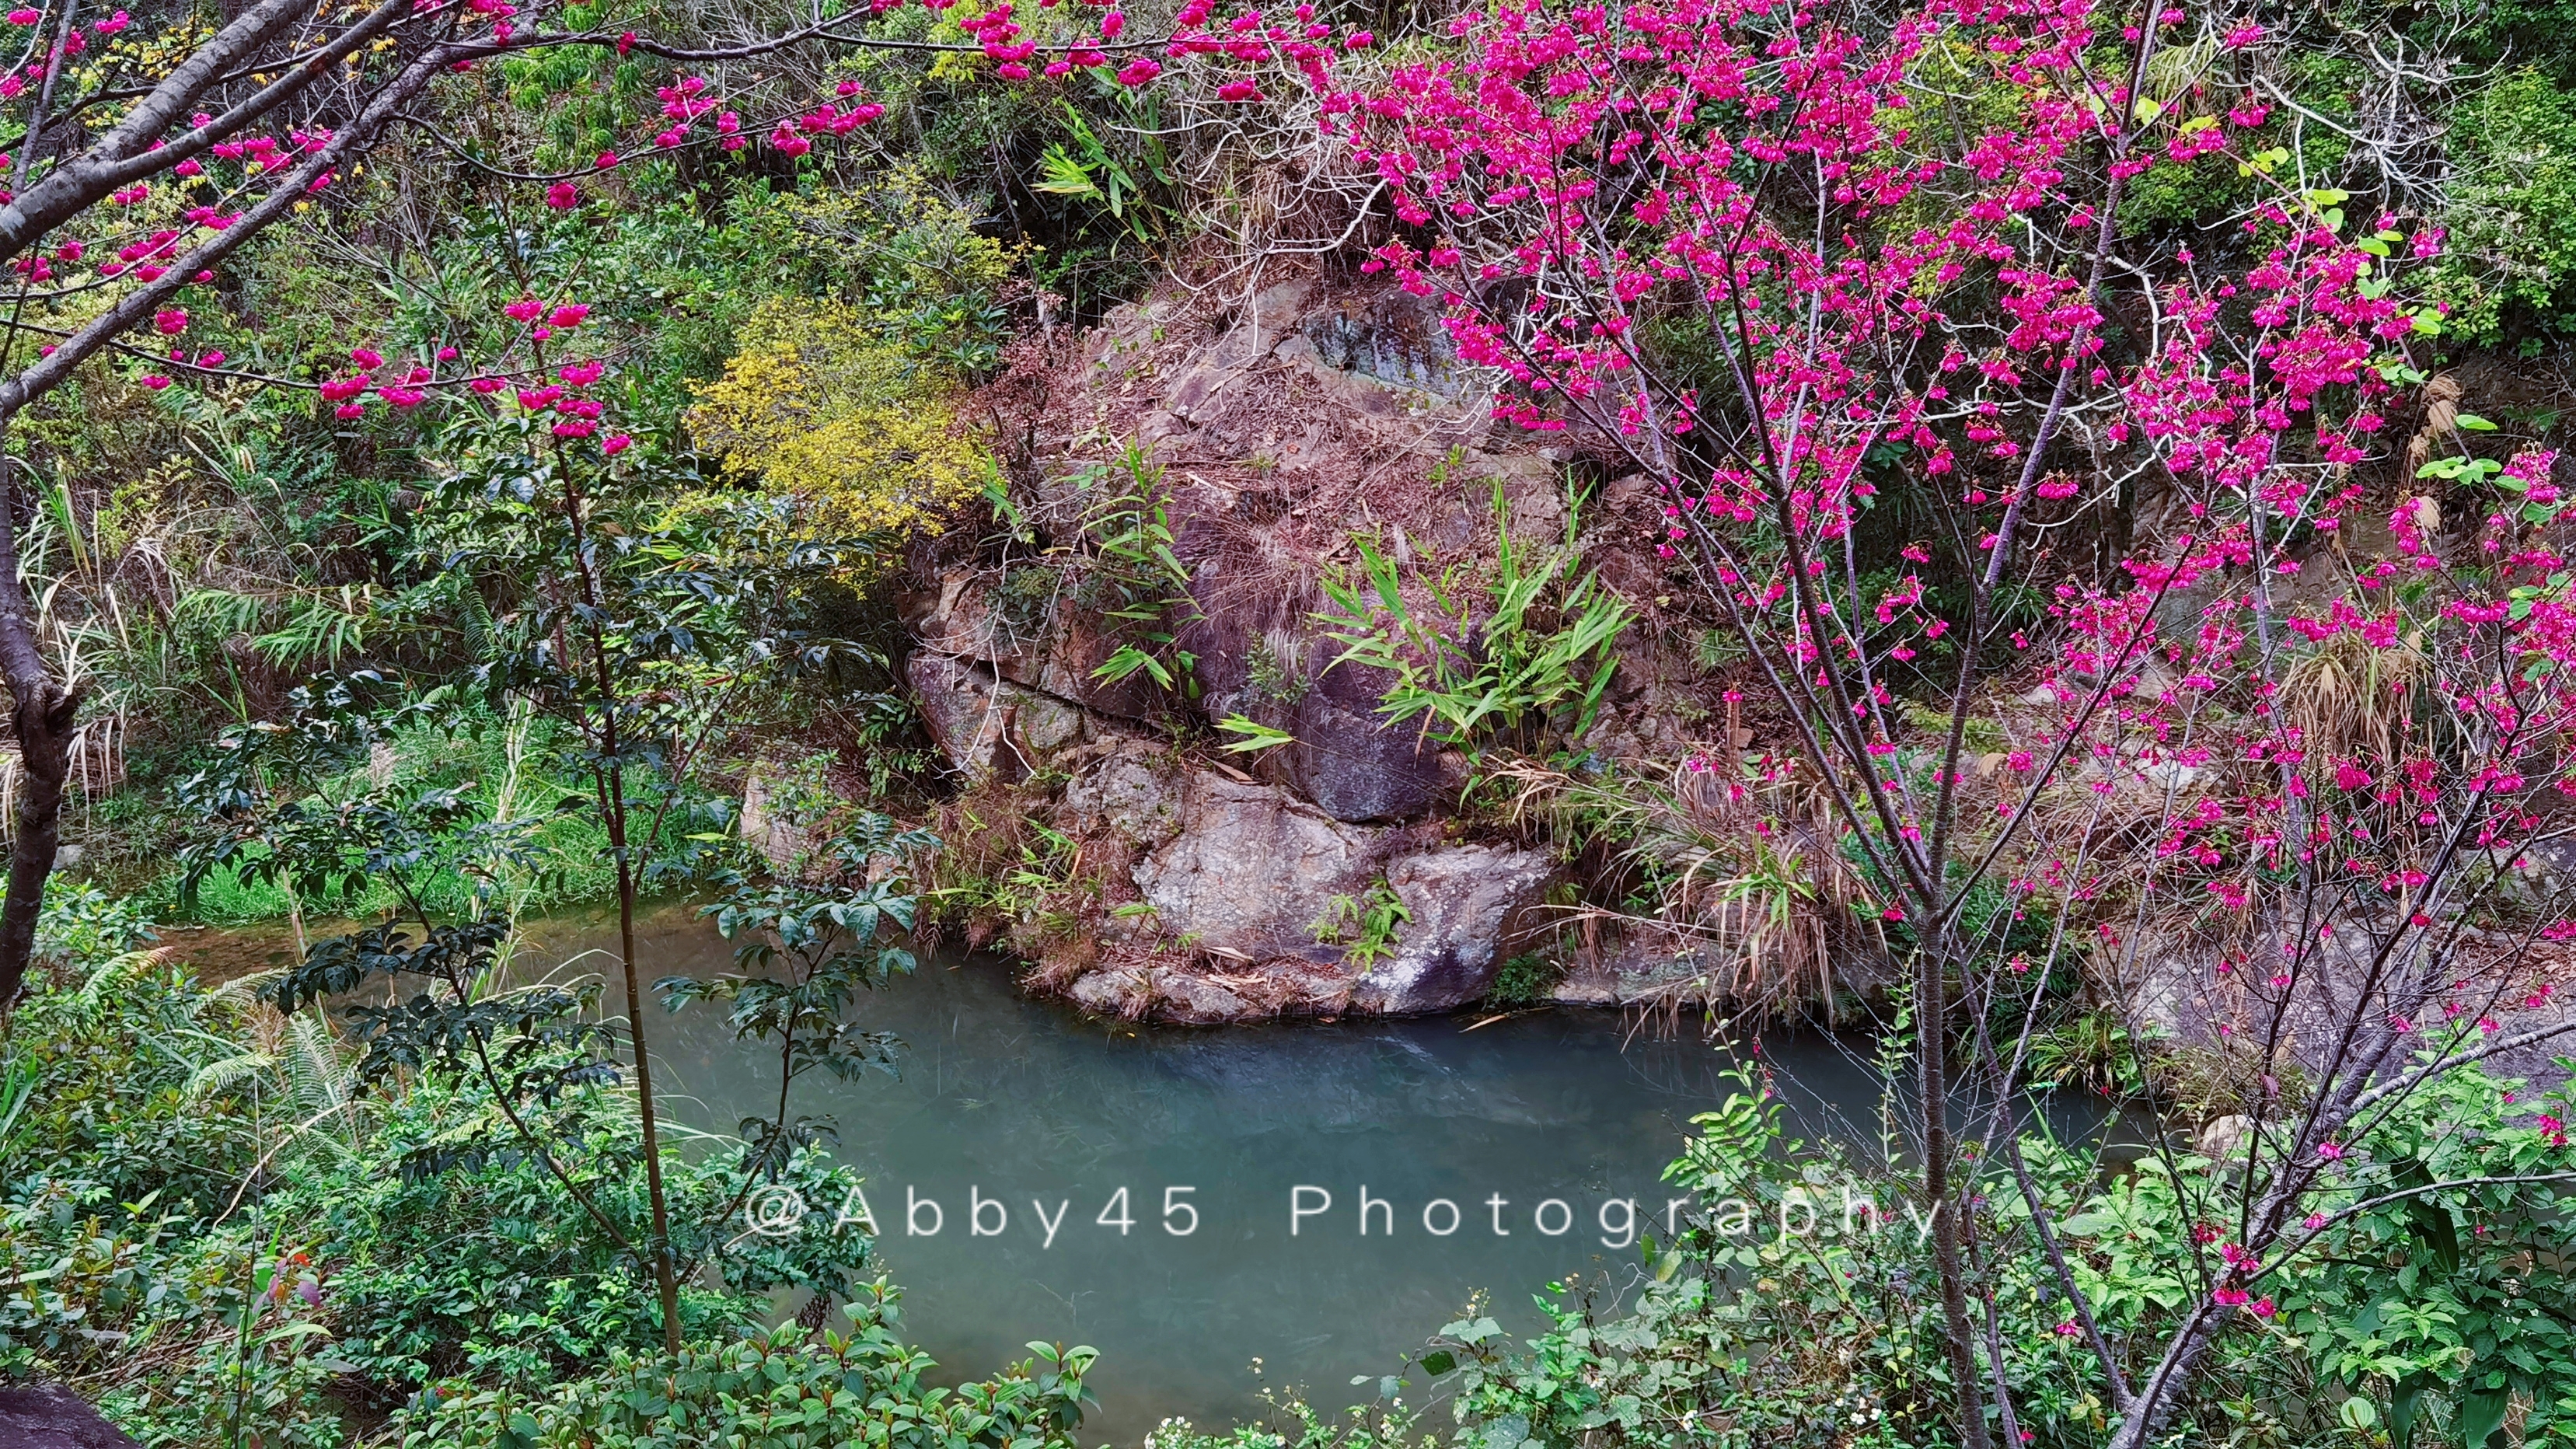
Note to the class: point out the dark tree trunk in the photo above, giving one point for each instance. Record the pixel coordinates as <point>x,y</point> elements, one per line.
<point>1948,1204</point>
<point>42,712</point>
<point>44,720</point>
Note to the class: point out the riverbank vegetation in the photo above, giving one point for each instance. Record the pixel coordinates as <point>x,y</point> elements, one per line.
<point>2037,533</point>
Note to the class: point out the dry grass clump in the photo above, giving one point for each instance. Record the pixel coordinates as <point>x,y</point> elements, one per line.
<point>1061,899</point>
<point>1746,885</point>
<point>985,833</point>
<point>2351,700</point>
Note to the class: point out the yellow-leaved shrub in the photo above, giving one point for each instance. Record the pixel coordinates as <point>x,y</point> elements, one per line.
<point>817,406</point>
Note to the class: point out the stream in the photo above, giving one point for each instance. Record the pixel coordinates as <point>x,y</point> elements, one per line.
<point>1491,1160</point>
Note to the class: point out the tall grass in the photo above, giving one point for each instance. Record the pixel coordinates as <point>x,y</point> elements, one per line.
<point>1743,884</point>
<point>501,764</point>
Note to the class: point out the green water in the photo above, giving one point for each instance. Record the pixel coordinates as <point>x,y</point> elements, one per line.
<point>1046,1116</point>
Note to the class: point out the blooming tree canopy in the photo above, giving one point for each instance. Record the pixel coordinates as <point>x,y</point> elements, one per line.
<point>1900,244</point>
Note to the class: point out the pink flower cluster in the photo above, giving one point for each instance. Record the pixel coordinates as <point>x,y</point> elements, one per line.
<point>689,100</point>
<point>1882,295</point>
<point>402,388</point>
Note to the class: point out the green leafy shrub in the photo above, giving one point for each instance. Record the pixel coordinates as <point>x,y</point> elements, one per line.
<point>1528,644</point>
<point>129,1260</point>
<point>2512,217</point>
<point>1524,980</point>
<point>1365,926</point>
<point>492,1270</point>
<point>774,1390</point>
<point>1384,1423</point>
<point>2404,1303</point>
<point>1134,577</point>
<point>220,1239</point>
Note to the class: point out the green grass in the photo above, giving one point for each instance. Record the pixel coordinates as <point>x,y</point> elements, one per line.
<point>574,847</point>
<point>583,874</point>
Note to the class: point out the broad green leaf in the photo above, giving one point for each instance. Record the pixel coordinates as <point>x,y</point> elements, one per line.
<point>2481,1414</point>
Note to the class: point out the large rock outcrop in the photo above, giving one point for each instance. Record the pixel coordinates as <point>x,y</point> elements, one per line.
<point>1241,900</point>
<point>1313,878</point>
<point>986,724</point>
<point>1251,871</point>
<point>49,1416</point>
<point>1465,905</point>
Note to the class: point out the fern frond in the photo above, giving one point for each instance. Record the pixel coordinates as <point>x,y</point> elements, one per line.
<point>216,1078</point>
<point>114,975</point>
<point>323,1081</point>
<point>244,990</point>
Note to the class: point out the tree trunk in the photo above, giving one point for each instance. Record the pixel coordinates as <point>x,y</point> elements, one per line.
<point>2163,1389</point>
<point>42,712</point>
<point>1931,1023</point>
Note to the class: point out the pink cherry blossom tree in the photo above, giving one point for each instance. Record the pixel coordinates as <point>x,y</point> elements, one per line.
<point>1900,239</point>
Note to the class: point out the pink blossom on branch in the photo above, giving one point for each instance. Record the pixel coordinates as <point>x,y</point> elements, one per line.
<point>1879,289</point>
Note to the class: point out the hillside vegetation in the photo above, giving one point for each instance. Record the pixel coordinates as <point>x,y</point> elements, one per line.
<point>2035,533</point>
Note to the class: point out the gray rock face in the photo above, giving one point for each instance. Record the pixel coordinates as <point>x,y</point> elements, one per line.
<point>787,847</point>
<point>957,706</point>
<point>1251,870</point>
<point>1014,622</point>
<point>984,724</point>
<point>1468,902</point>
<point>1261,407</point>
<point>1134,790</point>
<point>1163,992</point>
<point>2223,1139</point>
<point>1350,760</point>
<point>1396,338</point>
<point>1240,873</point>
<point>979,615</point>
<point>49,1416</point>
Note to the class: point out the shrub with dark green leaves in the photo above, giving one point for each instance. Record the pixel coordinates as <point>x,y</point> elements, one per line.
<point>491,1269</point>
<point>2511,263</point>
<point>2426,1294</point>
<point>783,1389</point>
<point>206,1226</point>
